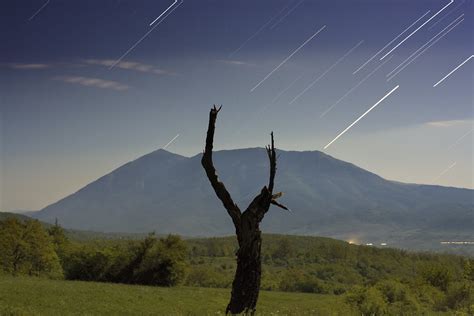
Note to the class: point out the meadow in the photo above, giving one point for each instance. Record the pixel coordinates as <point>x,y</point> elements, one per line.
<point>39,296</point>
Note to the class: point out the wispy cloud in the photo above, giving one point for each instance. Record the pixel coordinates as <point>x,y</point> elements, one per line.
<point>25,66</point>
<point>128,65</point>
<point>93,82</point>
<point>448,123</point>
<point>235,62</point>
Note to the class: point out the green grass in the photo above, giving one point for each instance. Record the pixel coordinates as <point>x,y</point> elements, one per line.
<point>35,296</point>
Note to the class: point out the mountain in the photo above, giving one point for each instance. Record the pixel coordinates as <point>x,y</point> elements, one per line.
<point>169,193</point>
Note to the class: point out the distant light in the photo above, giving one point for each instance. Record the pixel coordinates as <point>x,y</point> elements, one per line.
<point>369,244</point>
<point>383,244</point>
<point>457,242</point>
<point>353,241</point>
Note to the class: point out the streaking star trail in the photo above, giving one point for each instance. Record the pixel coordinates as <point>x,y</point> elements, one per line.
<point>287,14</point>
<point>257,32</point>
<point>416,30</point>
<point>287,58</point>
<point>444,171</point>
<point>460,139</point>
<point>39,10</point>
<point>354,87</point>
<point>439,34</point>
<point>389,43</point>
<point>452,71</point>
<point>170,142</point>
<point>287,88</point>
<point>143,37</point>
<point>447,14</point>
<point>175,1</point>
<point>417,53</point>
<point>325,72</point>
<point>360,117</point>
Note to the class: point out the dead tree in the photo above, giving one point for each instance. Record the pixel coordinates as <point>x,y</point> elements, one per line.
<point>246,284</point>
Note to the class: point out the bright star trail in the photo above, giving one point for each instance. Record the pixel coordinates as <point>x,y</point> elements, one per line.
<point>447,14</point>
<point>324,73</point>
<point>143,37</point>
<point>416,30</point>
<point>354,87</point>
<point>408,61</point>
<point>389,43</point>
<point>360,117</point>
<point>175,1</point>
<point>39,10</point>
<point>287,58</point>
<point>171,141</point>
<point>451,72</point>
<point>256,33</point>
<point>444,171</point>
<point>424,45</point>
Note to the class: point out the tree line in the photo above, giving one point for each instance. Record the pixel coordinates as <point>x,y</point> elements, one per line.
<point>374,281</point>
<point>27,248</point>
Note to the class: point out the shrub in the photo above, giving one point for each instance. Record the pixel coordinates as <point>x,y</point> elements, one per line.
<point>369,301</point>
<point>26,248</point>
<point>437,275</point>
<point>459,296</point>
<point>297,281</point>
<point>164,264</point>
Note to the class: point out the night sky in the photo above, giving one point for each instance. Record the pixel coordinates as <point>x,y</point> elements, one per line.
<point>67,117</point>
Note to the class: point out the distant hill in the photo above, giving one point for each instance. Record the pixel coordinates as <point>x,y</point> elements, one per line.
<point>6,215</point>
<point>169,193</point>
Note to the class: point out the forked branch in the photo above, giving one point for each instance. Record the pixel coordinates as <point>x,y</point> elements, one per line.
<point>208,165</point>
<point>273,158</point>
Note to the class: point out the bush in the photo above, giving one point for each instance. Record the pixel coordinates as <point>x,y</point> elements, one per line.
<point>399,297</point>
<point>437,275</point>
<point>459,296</point>
<point>88,264</point>
<point>150,262</point>
<point>164,264</point>
<point>26,249</point>
<point>297,281</point>
<point>369,301</point>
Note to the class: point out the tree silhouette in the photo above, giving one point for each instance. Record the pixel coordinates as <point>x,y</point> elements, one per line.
<point>246,284</point>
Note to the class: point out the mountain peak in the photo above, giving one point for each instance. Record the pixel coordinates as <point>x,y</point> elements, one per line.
<point>169,193</point>
<point>161,151</point>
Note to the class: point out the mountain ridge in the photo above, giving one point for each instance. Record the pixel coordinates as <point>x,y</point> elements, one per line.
<point>170,193</point>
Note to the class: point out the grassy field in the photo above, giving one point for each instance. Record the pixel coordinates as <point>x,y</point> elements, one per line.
<point>35,296</point>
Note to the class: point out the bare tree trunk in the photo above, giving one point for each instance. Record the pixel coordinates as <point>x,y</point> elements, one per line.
<point>246,284</point>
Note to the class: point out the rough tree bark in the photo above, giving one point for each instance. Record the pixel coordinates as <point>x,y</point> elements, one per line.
<point>246,284</point>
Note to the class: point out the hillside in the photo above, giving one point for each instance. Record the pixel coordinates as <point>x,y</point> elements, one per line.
<point>339,279</point>
<point>5,215</point>
<point>169,193</point>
